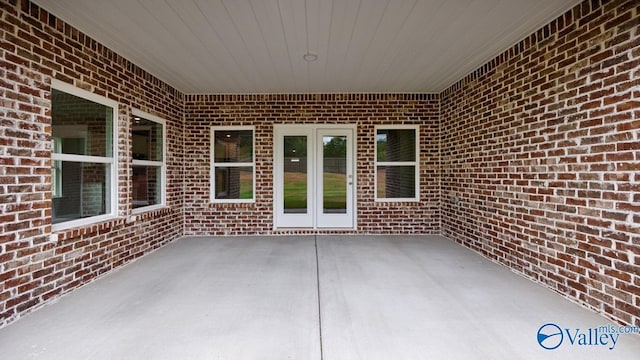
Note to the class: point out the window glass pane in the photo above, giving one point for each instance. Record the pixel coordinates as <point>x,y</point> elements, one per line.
<point>295,175</point>
<point>234,182</point>
<point>147,185</point>
<point>233,146</point>
<point>146,140</point>
<point>396,182</point>
<point>85,191</point>
<point>82,127</point>
<point>396,145</point>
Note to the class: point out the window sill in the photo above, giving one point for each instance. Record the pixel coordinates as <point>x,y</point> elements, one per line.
<point>244,204</point>
<point>149,208</point>
<point>74,229</point>
<point>148,212</point>
<point>82,222</point>
<point>396,201</point>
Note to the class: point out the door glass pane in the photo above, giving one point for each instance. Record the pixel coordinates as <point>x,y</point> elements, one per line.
<point>295,175</point>
<point>334,175</point>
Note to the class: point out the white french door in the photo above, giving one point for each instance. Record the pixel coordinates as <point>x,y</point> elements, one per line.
<point>314,180</point>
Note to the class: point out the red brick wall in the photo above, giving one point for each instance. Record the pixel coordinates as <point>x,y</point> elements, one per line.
<point>263,111</point>
<point>542,147</point>
<point>34,266</point>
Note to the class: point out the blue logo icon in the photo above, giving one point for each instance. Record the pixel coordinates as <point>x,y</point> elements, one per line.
<point>550,336</point>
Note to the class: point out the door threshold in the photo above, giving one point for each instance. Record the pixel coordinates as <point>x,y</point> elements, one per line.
<point>313,229</point>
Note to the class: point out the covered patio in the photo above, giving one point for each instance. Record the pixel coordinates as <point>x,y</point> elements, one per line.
<point>310,297</point>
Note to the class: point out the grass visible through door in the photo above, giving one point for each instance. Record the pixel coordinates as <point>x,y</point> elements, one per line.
<point>295,190</point>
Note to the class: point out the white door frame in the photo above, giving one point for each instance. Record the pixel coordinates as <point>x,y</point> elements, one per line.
<point>314,204</point>
<point>328,219</point>
<point>282,220</point>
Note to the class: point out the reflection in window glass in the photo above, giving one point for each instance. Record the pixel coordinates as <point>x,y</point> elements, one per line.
<point>232,164</point>
<point>396,145</point>
<point>147,140</point>
<point>396,182</point>
<point>233,146</point>
<point>85,191</point>
<point>147,143</point>
<point>146,185</point>
<point>397,163</point>
<point>234,183</point>
<point>84,127</point>
<point>81,187</point>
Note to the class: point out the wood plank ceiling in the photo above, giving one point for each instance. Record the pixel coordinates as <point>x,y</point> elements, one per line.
<point>257,46</point>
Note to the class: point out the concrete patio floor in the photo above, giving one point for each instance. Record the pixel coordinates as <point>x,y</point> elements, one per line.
<point>310,297</point>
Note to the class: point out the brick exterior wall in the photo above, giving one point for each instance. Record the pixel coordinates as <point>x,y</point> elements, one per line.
<point>542,147</point>
<point>264,111</point>
<point>36,267</point>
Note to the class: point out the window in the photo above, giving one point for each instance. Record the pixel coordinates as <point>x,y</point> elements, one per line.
<point>149,175</point>
<point>397,163</point>
<point>232,164</point>
<point>83,157</point>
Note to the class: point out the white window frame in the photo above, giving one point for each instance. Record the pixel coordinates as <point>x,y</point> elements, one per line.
<point>56,169</point>
<point>112,178</point>
<point>161,164</point>
<point>415,164</point>
<point>214,165</point>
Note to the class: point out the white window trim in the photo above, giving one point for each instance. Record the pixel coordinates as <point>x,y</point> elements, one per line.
<point>212,174</point>
<point>415,163</point>
<point>161,164</point>
<point>56,170</point>
<point>112,161</point>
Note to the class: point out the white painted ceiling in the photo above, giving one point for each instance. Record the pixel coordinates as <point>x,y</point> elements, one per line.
<point>257,46</point>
